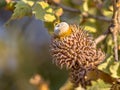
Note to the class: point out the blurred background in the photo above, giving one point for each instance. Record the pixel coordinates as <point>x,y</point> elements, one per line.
<point>24,53</point>
<point>25,61</point>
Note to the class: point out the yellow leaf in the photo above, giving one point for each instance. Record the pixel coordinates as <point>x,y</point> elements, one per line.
<point>49,10</point>
<point>51,18</point>
<point>114,69</point>
<point>85,5</point>
<point>107,13</point>
<point>29,2</point>
<point>90,29</point>
<point>43,4</point>
<point>59,12</point>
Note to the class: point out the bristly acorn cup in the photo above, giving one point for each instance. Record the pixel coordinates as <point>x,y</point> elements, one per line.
<point>72,47</point>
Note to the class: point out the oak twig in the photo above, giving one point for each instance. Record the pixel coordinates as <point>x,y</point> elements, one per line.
<point>115,25</point>
<point>84,14</point>
<point>102,18</point>
<point>66,8</point>
<point>102,37</point>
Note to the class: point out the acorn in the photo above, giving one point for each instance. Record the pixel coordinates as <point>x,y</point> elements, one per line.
<point>72,47</point>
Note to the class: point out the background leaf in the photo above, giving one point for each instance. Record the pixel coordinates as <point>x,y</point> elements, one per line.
<point>106,65</point>
<point>111,67</point>
<point>58,12</point>
<point>115,70</point>
<point>21,9</point>
<point>29,2</point>
<point>99,85</point>
<point>43,12</point>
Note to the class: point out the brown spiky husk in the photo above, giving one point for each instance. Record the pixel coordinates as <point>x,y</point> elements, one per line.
<point>76,49</point>
<point>78,75</point>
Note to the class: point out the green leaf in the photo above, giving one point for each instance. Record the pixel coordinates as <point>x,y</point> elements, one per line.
<point>43,12</point>
<point>29,2</point>
<point>111,67</point>
<point>99,85</point>
<point>2,3</point>
<point>49,26</point>
<point>115,70</point>
<point>106,65</point>
<point>90,25</point>
<point>21,9</point>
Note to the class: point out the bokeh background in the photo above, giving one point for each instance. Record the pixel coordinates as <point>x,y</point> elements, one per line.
<point>24,52</point>
<point>25,61</point>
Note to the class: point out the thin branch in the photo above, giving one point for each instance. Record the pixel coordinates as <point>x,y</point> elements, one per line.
<point>102,37</point>
<point>114,27</point>
<point>114,33</point>
<point>84,14</point>
<point>102,18</point>
<point>66,8</point>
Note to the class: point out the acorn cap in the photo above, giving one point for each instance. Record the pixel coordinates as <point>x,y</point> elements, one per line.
<point>78,47</point>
